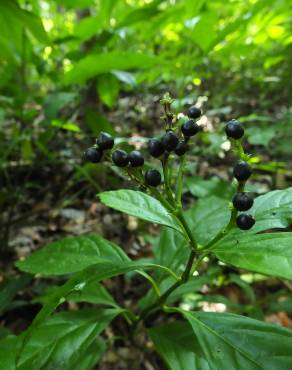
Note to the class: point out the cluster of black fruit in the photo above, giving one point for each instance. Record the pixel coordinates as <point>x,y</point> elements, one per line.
<point>170,142</point>
<point>157,147</point>
<point>242,172</point>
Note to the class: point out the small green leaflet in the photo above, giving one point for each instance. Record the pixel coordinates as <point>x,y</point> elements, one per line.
<point>228,341</point>
<point>269,254</point>
<point>71,255</point>
<point>138,204</point>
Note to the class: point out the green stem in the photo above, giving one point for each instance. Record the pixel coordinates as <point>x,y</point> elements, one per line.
<point>167,179</point>
<point>179,187</point>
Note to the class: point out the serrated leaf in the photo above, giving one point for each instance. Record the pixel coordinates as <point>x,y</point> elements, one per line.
<point>236,342</point>
<point>61,340</point>
<point>177,350</point>
<point>71,255</point>
<point>269,254</point>
<point>138,204</point>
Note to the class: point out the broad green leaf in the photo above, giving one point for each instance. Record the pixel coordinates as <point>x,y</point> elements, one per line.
<point>91,356</point>
<point>205,188</point>
<point>62,340</point>
<point>94,293</point>
<point>269,254</point>
<point>96,64</point>
<point>236,342</point>
<point>172,250</point>
<point>272,210</point>
<point>208,217</point>
<point>108,89</point>
<point>8,351</point>
<point>138,204</point>
<point>72,254</point>
<point>175,342</point>
<point>80,280</point>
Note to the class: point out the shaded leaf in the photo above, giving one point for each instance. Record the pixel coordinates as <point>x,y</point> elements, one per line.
<point>236,342</point>
<point>177,350</point>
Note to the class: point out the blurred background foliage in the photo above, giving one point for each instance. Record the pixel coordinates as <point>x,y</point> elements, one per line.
<point>70,69</point>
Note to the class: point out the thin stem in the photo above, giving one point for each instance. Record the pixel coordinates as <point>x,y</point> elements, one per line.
<point>160,301</point>
<point>179,186</point>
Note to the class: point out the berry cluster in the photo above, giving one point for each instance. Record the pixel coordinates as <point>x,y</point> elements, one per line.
<point>157,147</point>
<point>242,172</point>
<point>174,141</point>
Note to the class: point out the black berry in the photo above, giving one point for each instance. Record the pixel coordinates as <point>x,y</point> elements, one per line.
<point>169,141</point>
<point>190,128</point>
<point>155,147</point>
<point>136,158</point>
<point>182,148</point>
<point>242,201</point>
<point>152,177</point>
<point>242,171</point>
<point>93,155</point>
<point>105,141</point>
<point>234,130</point>
<point>194,112</point>
<point>120,158</point>
<point>245,221</point>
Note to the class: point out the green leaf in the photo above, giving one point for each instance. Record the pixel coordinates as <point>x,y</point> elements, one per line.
<point>96,64</point>
<point>138,204</point>
<point>108,89</point>
<point>205,188</point>
<point>94,293</point>
<point>236,342</point>
<point>61,341</point>
<point>172,250</point>
<point>55,102</point>
<point>72,254</point>
<point>175,342</point>
<point>269,254</point>
<point>91,356</point>
<point>272,210</point>
<point>208,217</point>
<point>14,19</point>
<point>65,125</point>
